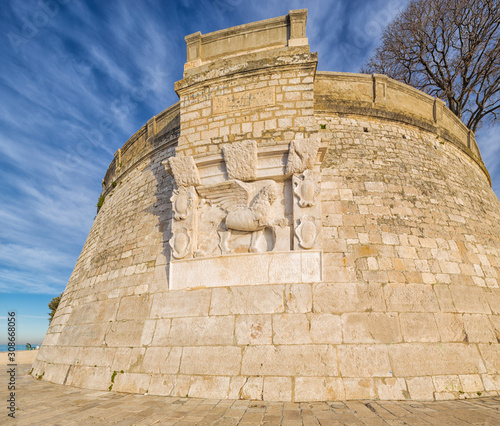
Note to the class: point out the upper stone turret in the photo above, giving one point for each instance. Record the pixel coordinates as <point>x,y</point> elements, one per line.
<point>289,30</point>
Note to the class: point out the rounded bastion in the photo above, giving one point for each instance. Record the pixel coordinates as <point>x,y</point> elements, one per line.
<point>287,234</point>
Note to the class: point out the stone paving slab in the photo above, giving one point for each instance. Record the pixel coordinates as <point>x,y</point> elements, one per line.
<point>42,403</point>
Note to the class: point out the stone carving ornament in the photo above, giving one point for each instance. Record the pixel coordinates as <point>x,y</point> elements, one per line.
<point>179,243</point>
<point>182,203</point>
<point>305,188</point>
<point>248,207</point>
<point>302,155</point>
<point>307,232</point>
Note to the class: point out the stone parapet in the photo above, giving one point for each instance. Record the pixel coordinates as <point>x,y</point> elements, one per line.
<point>380,96</point>
<point>289,30</point>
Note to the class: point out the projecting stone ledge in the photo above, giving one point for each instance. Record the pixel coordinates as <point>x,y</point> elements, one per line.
<point>247,269</point>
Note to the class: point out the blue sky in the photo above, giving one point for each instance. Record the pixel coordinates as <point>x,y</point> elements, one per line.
<point>78,78</point>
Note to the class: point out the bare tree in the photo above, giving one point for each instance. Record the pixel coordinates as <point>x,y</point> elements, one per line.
<point>449,49</point>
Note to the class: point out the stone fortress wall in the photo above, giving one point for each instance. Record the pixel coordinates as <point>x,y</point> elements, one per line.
<point>375,275</point>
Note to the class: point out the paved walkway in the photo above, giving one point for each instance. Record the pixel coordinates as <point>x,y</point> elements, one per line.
<point>42,403</point>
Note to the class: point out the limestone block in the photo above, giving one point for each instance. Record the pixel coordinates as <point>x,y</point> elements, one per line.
<point>161,332</point>
<point>364,361</point>
<point>450,326</point>
<point>419,359</point>
<point>246,269</point>
<point>211,360</point>
<point>134,307</point>
<point>165,360</point>
<point>83,335</point>
<point>471,382</point>
<point>241,160</point>
<point>89,377</point>
<point>291,329</point>
<point>495,323</point>
<point>60,355</point>
<point>124,333</point>
<point>193,331</point>
<point>214,387</point>
<point>184,171</point>
<point>410,298</point>
<point>494,300</point>
<point>309,389</point>
<point>359,388</point>
<point>470,299</point>
<point>247,300</point>
<point>92,356</point>
<point>252,388</point>
<point>371,327</point>
<point>131,383</point>
<point>253,330</point>
<point>162,384</point>
<point>478,329</point>
<point>419,327</point>
<point>298,298</point>
<point>235,386</point>
<point>491,382</point>
<point>420,388</point>
<point>56,373</point>
<point>391,389</point>
<point>326,328</point>
<point>148,332</point>
<point>347,297</point>
<point>180,304</point>
<point>444,298</point>
<point>447,383</point>
<point>51,339</point>
<point>182,385</point>
<point>128,359</point>
<point>277,388</point>
<point>289,360</point>
<point>491,357</point>
<point>95,311</point>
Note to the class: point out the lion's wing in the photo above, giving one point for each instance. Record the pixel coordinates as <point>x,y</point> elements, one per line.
<point>230,195</point>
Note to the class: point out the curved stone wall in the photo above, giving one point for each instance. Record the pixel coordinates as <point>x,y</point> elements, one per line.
<point>396,297</point>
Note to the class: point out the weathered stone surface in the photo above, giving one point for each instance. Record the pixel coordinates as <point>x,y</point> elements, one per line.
<point>421,388</point>
<point>340,298</point>
<point>326,328</point>
<point>185,171</point>
<point>285,360</point>
<point>415,359</point>
<point>324,389</point>
<point>364,361</point>
<point>180,304</point>
<point>241,160</point>
<point>211,360</point>
<point>371,327</point>
<point>253,330</point>
<point>291,329</point>
<point>247,300</point>
<point>419,327</point>
<point>277,388</point>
